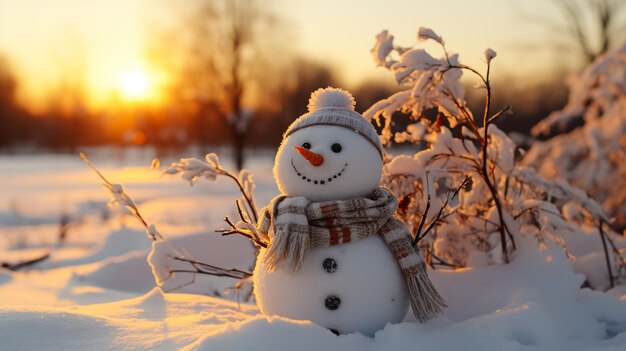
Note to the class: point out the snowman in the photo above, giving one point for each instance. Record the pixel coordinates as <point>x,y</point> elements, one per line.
<point>336,255</point>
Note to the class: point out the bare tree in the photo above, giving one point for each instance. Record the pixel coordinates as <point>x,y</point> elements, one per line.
<point>240,34</point>
<point>8,86</point>
<point>589,27</point>
<point>218,53</point>
<point>67,102</point>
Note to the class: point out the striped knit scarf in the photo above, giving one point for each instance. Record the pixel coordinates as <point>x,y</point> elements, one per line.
<point>293,225</point>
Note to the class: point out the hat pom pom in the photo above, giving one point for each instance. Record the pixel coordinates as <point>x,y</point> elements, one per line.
<point>331,97</point>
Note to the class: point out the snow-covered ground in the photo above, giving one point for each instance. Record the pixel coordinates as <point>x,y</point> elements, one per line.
<point>96,290</point>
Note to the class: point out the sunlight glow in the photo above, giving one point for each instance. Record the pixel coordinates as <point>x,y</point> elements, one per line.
<point>135,84</point>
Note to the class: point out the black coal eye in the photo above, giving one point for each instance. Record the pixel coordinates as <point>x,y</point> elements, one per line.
<point>336,147</point>
<point>306,146</point>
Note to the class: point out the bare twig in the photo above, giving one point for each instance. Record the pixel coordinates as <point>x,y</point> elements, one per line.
<point>442,262</point>
<point>419,236</point>
<point>241,212</point>
<point>248,197</point>
<point>93,168</point>
<point>23,264</point>
<point>607,239</point>
<point>120,196</point>
<point>504,232</point>
<point>64,227</point>
<point>204,268</point>
<point>498,114</point>
<point>235,230</point>
<point>487,120</point>
<point>606,255</point>
<point>422,221</point>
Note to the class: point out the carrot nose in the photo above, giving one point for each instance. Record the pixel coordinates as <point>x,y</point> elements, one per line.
<point>315,159</point>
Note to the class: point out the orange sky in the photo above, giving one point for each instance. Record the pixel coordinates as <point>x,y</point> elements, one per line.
<point>45,39</point>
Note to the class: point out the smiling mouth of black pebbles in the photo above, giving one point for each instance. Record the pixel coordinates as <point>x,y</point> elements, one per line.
<point>318,181</point>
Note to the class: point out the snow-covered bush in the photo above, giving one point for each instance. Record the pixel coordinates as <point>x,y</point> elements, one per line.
<point>172,269</point>
<point>502,200</point>
<point>593,156</point>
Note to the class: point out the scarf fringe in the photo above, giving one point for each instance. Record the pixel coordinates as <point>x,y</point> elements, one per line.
<point>288,249</point>
<point>426,302</point>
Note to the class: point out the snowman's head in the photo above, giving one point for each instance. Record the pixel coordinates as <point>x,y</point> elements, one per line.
<point>330,153</point>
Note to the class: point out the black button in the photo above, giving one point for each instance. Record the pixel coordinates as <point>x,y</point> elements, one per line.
<point>332,302</point>
<point>330,265</point>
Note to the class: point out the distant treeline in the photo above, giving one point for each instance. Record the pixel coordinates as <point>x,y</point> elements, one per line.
<point>202,123</point>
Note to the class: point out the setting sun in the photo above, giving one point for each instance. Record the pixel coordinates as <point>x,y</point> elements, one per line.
<point>135,84</point>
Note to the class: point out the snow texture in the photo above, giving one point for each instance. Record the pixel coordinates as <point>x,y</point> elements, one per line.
<point>424,33</point>
<point>593,156</point>
<point>192,169</point>
<point>405,165</point>
<point>490,54</point>
<point>97,294</point>
<point>382,49</point>
<point>4,277</point>
<point>427,82</point>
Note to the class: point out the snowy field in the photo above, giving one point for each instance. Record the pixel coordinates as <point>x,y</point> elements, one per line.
<point>96,291</point>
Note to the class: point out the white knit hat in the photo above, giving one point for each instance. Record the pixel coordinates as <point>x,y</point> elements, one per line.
<point>332,106</point>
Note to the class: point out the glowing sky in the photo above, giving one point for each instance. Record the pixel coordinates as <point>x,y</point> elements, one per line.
<point>44,39</point>
<point>343,31</point>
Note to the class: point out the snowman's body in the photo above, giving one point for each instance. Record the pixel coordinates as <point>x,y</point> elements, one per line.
<point>352,287</point>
